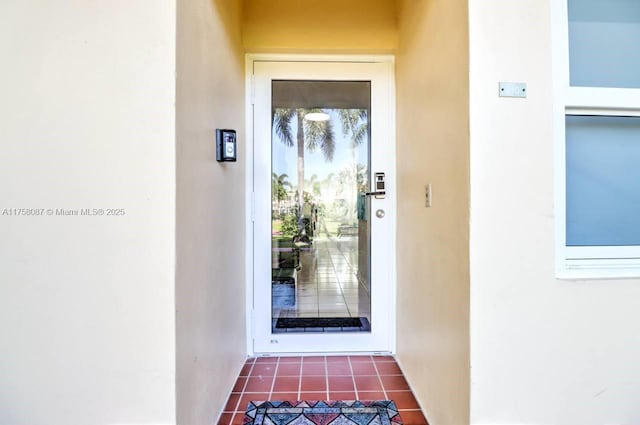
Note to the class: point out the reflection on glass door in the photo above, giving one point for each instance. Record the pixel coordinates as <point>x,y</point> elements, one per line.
<point>320,223</point>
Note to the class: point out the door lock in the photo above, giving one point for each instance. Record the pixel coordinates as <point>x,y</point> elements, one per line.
<point>379,185</point>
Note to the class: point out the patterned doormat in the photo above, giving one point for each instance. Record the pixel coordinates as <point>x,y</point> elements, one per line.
<point>382,412</point>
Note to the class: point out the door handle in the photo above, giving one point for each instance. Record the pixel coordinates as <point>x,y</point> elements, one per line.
<point>378,193</point>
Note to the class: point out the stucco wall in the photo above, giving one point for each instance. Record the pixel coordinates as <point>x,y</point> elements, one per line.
<point>87,301</point>
<point>543,351</point>
<point>337,26</point>
<point>210,278</point>
<point>432,243</point>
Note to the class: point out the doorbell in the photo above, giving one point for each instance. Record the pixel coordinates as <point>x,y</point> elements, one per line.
<point>225,145</point>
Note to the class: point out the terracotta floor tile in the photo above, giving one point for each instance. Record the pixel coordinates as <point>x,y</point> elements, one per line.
<point>292,396</point>
<point>337,359</point>
<point>264,369</point>
<point>313,369</point>
<point>238,418</point>
<point>286,384</point>
<point>382,359</point>
<point>339,369</point>
<point>290,360</point>
<point>239,386</point>
<point>358,359</point>
<point>258,384</point>
<point>394,383</point>
<point>367,383</point>
<point>246,369</point>
<point>225,419</point>
<point>313,383</point>
<point>342,395</point>
<point>311,374</point>
<point>246,398</point>
<point>313,359</point>
<point>313,396</point>
<point>288,369</point>
<point>341,383</point>
<point>403,399</point>
<point>371,395</point>
<point>261,360</point>
<point>363,368</point>
<point>413,417</point>
<point>388,368</point>
<point>232,402</point>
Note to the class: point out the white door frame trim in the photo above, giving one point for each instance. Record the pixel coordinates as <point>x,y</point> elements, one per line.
<point>248,156</point>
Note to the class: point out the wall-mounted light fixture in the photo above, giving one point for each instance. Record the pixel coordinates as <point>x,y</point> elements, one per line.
<point>226,149</point>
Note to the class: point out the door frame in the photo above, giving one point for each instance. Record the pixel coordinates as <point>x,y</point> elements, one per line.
<point>248,156</point>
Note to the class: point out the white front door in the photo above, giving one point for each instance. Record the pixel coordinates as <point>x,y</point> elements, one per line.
<point>324,206</point>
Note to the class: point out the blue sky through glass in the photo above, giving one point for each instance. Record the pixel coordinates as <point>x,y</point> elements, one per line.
<point>285,158</point>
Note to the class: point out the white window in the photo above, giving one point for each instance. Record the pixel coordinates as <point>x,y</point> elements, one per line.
<point>597,137</point>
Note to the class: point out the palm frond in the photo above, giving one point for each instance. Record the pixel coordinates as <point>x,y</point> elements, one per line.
<point>328,144</point>
<point>355,123</point>
<point>282,119</point>
<point>345,120</point>
<point>313,131</point>
<point>349,119</point>
<point>360,134</point>
<point>319,134</point>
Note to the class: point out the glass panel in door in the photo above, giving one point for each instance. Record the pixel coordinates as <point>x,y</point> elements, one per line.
<point>320,223</point>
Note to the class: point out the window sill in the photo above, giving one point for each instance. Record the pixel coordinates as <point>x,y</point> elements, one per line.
<point>599,269</point>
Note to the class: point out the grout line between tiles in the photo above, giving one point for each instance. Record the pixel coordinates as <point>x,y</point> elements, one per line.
<point>273,381</point>
<point>246,381</point>
<point>300,379</point>
<point>326,375</point>
<point>353,378</point>
<point>384,390</point>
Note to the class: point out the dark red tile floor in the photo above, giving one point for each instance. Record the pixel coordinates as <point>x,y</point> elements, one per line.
<point>321,378</point>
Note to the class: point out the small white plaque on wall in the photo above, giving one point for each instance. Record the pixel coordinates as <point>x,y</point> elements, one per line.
<point>512,89</point>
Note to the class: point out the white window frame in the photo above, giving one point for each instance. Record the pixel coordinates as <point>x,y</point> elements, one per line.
<point>589,262</point>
